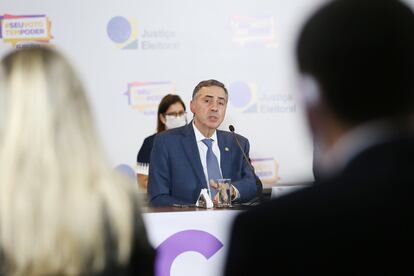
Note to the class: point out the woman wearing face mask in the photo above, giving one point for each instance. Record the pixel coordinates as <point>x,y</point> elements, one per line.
<point>171,114</point>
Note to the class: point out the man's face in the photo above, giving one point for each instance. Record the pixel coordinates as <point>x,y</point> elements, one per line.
<point>209,107</point>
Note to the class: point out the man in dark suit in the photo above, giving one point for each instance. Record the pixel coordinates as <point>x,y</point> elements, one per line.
<point>356,66</point>
<point>180,166</point>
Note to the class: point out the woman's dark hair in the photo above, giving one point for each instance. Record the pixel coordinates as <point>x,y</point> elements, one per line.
<point>165,103</point>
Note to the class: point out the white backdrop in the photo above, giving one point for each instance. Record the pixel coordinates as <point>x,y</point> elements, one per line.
<point>131,53</point>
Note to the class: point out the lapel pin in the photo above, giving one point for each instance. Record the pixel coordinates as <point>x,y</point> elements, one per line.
<point>226,149</point>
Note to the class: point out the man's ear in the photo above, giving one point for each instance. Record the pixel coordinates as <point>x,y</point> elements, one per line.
<point>192,106</point>
<point>309,90</point>
<point>310,96</point>
<point>322,120</point>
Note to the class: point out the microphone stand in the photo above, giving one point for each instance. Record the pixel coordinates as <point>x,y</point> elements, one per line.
<point>259,185</point>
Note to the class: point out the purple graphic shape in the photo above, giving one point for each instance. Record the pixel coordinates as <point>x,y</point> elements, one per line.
<point>240,94</point>
<point>184,241</point>
<point>126,170</point>
<point>119,30</point>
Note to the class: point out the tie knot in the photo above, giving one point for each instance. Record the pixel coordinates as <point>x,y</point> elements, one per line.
<point>208,142</point>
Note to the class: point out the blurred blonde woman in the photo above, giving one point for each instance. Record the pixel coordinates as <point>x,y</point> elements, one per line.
<point>63,209</point>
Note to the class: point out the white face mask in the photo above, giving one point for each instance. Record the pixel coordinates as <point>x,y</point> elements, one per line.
<point>173,122</point>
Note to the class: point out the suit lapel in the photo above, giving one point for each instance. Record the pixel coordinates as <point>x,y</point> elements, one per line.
<point>224,144</point>
<point>189,144</point>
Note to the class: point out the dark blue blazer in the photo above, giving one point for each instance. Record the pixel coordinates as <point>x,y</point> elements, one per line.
<point>176,175</point>
<point>358,222</point>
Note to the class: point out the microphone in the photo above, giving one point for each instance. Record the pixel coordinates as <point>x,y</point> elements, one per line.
<point>259,185</point>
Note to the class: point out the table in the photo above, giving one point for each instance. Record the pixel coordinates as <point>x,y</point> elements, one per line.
<point>189,241</point>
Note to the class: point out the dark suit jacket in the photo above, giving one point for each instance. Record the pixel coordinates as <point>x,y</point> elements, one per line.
<point>359,222</point>
<point>176,175</point>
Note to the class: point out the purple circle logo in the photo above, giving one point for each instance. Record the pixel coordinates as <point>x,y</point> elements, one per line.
<point>119,29</point>
<point>126,170</point>
<point>240,94</point>
<point>184,241</point>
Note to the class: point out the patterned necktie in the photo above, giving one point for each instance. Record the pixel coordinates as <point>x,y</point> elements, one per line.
<point>213,169</point>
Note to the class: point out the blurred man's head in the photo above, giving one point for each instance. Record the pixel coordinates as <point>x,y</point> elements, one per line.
<point>360,53</point>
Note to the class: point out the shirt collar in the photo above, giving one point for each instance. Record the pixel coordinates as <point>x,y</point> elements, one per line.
<point>353,143</point>
<point>199,136</point>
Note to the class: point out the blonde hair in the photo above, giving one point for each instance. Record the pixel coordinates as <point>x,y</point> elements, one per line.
<point>61,204</point>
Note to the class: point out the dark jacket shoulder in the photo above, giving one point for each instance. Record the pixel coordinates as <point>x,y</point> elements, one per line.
<point>144,154</point>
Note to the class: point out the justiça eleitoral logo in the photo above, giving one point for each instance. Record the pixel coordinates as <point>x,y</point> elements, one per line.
<point>125,33</point>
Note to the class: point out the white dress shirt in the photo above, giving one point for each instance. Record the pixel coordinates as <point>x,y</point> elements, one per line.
<point>351,144</point>
<point>202,150</point>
